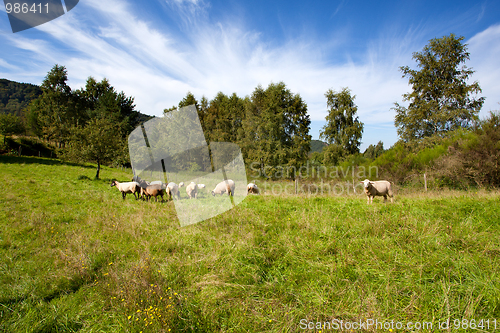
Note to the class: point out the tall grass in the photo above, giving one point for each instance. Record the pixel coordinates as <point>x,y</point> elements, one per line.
<point>76,257</point>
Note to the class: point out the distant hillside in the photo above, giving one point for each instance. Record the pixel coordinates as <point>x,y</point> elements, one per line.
<point>317,146</point>
<point>15,96</point>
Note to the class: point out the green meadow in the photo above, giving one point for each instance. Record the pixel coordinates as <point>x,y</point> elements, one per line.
<point>75,257</point>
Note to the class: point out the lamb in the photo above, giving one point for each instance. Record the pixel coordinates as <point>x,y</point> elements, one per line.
<point>223,187</point>
<point>252,188</point>
<point>377,188</point>
<point>153,190</point>
<point>131,187</point>
<point>192,190</point>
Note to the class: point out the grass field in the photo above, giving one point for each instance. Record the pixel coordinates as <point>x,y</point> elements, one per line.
<point>75,257</point>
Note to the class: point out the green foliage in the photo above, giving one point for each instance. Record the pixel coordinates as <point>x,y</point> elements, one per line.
<point>343,127</point>
<point>15,97</point>
<point>373,152</point>
<point>332,154</point>
<point>90,124</point>
<point>54,112</point>
<point>441,98</point>
<point>10,125</point>
<point>276,128</point>
<point>271,126</point>
<point>100,141</point>
<point>475,161</point>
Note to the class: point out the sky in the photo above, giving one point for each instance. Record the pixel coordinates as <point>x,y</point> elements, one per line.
<point>158,50</point>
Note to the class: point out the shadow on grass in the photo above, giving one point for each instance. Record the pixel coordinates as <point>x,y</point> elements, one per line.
<point>39,160</point>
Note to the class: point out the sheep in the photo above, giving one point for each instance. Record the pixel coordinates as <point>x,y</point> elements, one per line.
<point>174,190</point>
<point>153,190</point>
<point>252,188</point>
<point>192,190</point>
<point>377,188</point>
<point>131,187</point>
<point>223,187</point>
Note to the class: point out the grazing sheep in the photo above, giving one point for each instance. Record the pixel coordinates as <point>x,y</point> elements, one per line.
<point>152,190</point>
<point>131,187</point>
<point>192,190</point>
<point>223,187</point>
<point>252,188</point>
<point>377,188</point>
<point>142,183</point>
<point>174,190</point>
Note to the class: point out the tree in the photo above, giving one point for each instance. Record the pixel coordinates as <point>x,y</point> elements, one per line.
<point>441,98</point>
<point>374,151</point>
<point>343,128</point>
<point>54,112</point>
<point>9,125</point>
<point>276,129</point>
<point>100,141</point>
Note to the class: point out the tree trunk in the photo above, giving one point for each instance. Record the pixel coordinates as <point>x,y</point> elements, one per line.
<point>98,169</point>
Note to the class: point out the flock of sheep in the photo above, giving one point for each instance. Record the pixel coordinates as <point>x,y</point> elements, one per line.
<point>145,190</point>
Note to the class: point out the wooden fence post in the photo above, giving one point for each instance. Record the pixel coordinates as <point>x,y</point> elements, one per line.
<point>425,182</point>
<point>296,184</point>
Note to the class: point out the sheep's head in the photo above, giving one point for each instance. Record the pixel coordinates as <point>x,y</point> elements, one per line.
<point>366,183</point>
<point>213,193</point>
<point>113,183</point>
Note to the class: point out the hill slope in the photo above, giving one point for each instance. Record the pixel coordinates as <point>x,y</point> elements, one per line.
<point>317,146</point>
<point>15,96</point>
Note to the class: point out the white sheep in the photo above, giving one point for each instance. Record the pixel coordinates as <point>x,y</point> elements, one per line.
<point>252,188</point>
<point>130,187</point>
<point>174,190</point>
<point>192,190</point>
<point>223,187</point>
<point>377,188</point>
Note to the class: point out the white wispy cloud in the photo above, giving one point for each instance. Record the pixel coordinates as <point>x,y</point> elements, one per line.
<point>484,49</point>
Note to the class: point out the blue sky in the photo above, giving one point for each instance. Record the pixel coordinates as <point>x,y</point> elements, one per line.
<point>158,50</point>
